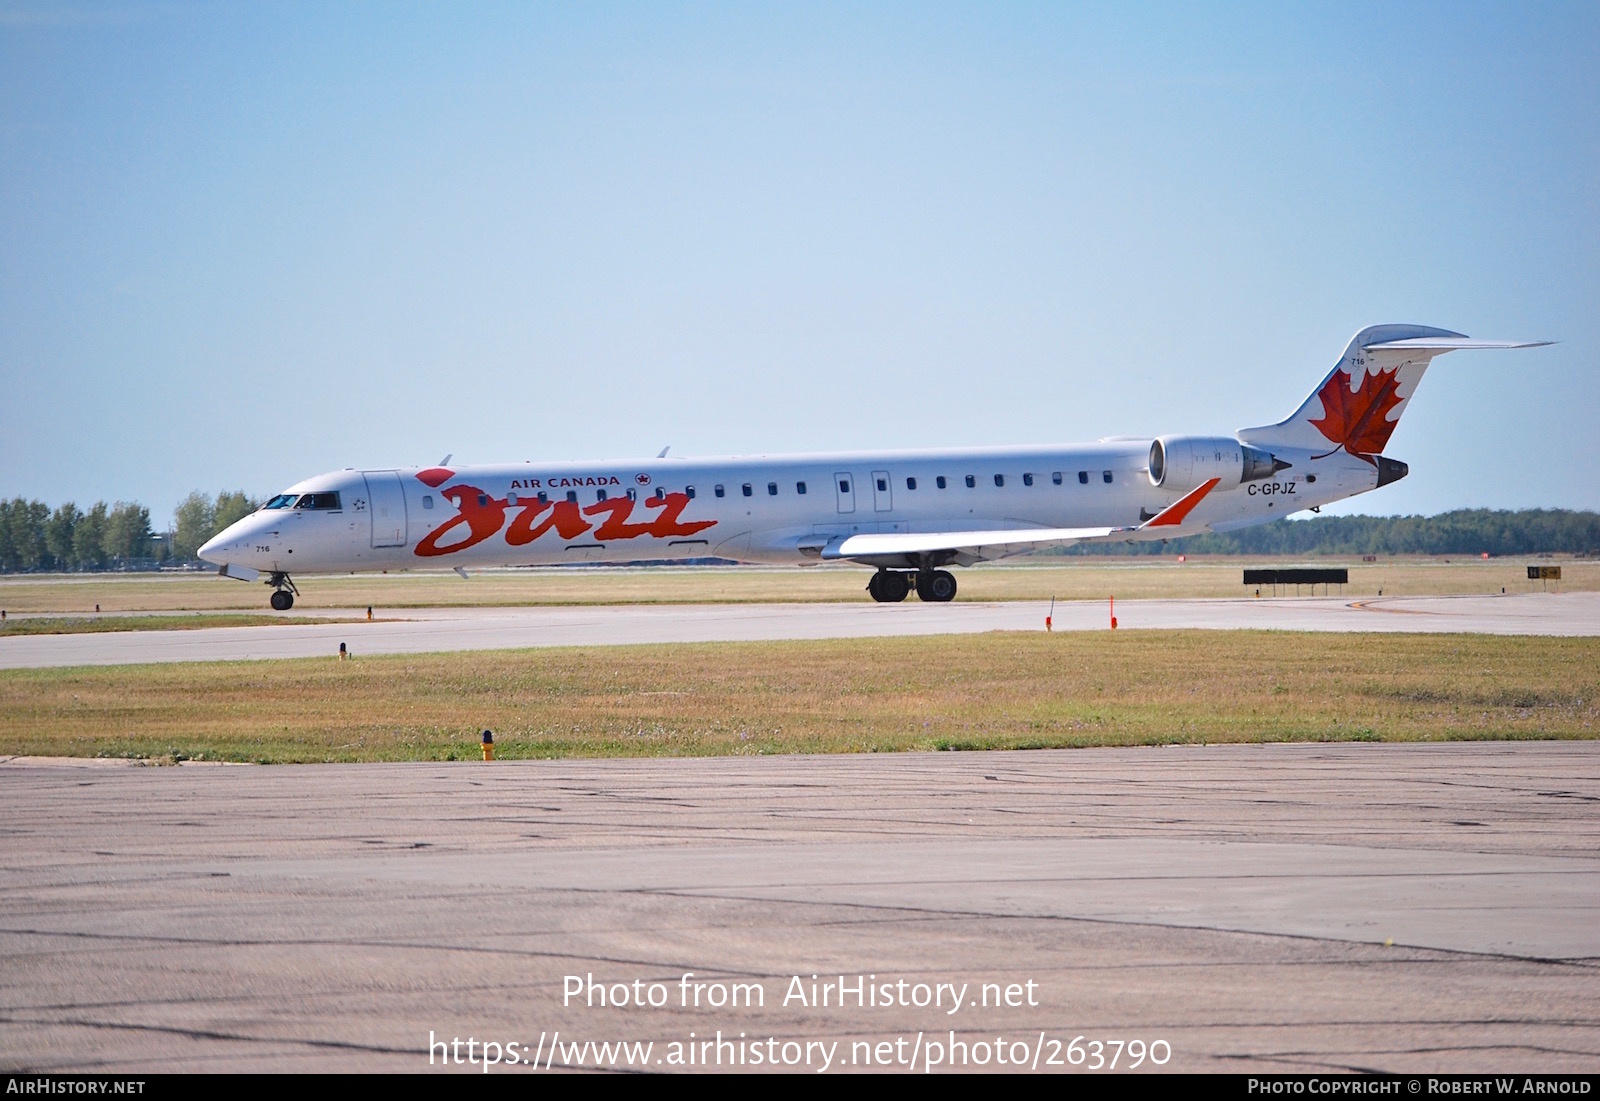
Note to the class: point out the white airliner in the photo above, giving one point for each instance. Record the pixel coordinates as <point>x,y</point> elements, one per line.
<point>905,513</point>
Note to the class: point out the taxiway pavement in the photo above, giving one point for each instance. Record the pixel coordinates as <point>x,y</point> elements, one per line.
<point>1397,908</point>
<point>446,629</point>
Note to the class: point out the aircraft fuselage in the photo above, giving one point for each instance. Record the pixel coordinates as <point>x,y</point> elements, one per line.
<point>905,513</point>
<point>778,509</point>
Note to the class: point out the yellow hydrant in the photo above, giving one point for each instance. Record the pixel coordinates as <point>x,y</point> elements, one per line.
<point>488,745</point>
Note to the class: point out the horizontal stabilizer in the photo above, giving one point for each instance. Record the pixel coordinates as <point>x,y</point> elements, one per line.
<point>1453,344</point>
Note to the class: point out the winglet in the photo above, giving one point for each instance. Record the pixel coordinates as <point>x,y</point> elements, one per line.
<point>1173,514</point>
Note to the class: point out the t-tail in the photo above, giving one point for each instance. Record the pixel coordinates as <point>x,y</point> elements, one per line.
<point>1356,407</point>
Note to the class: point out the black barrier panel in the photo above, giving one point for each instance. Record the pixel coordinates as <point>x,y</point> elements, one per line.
<point>1296,577</point>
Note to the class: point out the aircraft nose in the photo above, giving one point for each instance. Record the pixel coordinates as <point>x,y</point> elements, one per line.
<point>227,541</point>
<point>208,551</point>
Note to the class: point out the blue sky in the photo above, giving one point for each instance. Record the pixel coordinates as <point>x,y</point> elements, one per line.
<point>243,244</point>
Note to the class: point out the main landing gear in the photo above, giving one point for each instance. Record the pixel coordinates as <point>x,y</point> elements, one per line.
<point>888,587</point>
<point>933,586</point>
<point>283,593</point>
<point>936,586</point>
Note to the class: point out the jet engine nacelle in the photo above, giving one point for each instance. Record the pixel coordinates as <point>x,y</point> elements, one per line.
<point>1182,462</point>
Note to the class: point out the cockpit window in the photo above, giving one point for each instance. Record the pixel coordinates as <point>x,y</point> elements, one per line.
<point>282,500</point>
<point>318,501</point>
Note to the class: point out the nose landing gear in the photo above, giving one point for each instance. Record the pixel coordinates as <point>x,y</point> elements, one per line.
<point>284,592</point>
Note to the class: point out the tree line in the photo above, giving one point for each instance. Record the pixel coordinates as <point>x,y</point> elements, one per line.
<point>33,536</point>
<point>1465,531</point>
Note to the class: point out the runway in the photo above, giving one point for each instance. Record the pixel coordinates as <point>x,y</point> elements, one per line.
<point>449,629</point>
<point>1398,908</point>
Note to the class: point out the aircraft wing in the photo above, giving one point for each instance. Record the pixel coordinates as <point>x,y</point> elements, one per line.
<point>962,546</point>
<point>967,547</point>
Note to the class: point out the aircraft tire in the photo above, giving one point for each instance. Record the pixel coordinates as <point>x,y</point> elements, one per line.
<point>282,600</point>
<point>888,587</point>
<point>936,586</point>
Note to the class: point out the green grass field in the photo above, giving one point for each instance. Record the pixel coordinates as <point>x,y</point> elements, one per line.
<point>1028,579</point>
<point>190,621</point>
<point>996,691</point>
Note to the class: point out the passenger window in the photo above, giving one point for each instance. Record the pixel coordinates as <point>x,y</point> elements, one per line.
<point>999,479</point>
<point>800,488</point>
<point>940,482</point>
<point>911,483</point>
<point>511,500</point>
<point>544,498</point>
<point>1083,477</point>
<point>883,485</point>
<point>1056,477</point>
<point>427,500</point>
<point>688,491</point>
<point>844,486</point>
<point>599,495</point>
<point>772,489</point>
<point>1027,479</point>
<point>483,500</point>
<point>719,491</point>
<point>971,481</point>
<point>633,494</point>
<point>1106,476</point>
<point>747,490</point>
<point>572,496</point>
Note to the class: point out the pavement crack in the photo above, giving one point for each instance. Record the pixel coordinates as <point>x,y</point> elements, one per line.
<point>207,1034</point>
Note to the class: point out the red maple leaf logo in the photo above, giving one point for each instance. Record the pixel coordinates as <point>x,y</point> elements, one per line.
<point>1357,420</point>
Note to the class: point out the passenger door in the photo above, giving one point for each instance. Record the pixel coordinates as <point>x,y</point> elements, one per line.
<point>386,502</point>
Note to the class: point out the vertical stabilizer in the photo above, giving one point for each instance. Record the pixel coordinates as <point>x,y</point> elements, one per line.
<point>1358,404</point>
<point>1360,401</point>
